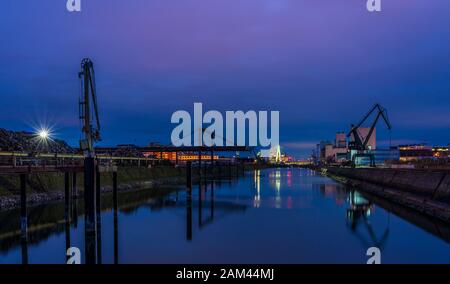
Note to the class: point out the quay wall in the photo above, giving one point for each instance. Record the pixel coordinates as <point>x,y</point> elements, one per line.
<point>49,186</point>
<point>425,190</point>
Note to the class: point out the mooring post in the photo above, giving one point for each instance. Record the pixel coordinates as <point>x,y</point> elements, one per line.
<point>98,193</point>
<point>74,186</point>
<point>89,192</point>
<point>189,201</point>
<point>212,199</point>
<point>98,211</point>
<point>200,164</point>
<point>115,197</point>
<point>24,251</point>
<point>74,199</point>
<point>67,235</point>
<point>200,203</point>
<point>116,238</point>
<point>212,164</point>
<point>23,218</point>
<point>23,207</point>
<point>116,218</point>
<point>189,175</point>
<point>89,201</point>
<point>67,196</point>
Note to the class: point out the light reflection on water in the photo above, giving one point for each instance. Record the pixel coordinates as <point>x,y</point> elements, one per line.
<point>268,216</point>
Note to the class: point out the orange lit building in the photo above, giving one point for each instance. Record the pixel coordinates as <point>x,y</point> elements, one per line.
<point>415,152</point>
<point>423,151</point>
<point>441,152</point>
<point>172,156</point>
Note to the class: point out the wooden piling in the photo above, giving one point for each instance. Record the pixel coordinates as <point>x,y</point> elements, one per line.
<point>98,195</point>
<point>189,175</point>
<point>23,207</point>
<point>90,212</point>
<point>200,164</point>
<point>98,192</point>
<point>115,197</point>
<point>74,186</point>
<point>116,219</point>
<point>189,201</point>
<point>212,165</point>
<point>67,196</point>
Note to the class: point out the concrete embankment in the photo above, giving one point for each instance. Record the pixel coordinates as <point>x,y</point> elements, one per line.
<point>427,191</point>
<point>48,187</point>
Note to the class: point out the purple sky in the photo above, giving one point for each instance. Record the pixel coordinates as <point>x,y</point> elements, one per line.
<point>322,64</point>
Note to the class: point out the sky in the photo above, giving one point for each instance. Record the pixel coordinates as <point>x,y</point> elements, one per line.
<point>322,64</point>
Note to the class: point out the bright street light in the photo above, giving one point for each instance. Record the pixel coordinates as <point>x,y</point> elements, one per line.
<point>43,134</point>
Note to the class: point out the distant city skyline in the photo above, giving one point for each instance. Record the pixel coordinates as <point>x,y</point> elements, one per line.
<point>321,64</point>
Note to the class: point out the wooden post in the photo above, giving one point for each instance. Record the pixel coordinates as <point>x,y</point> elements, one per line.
<point>212,165</point>
<point>67,235</point>
<point>89,201</point>
<point>98,207</point>
<point>189,201</point>
<point>200,203</point>
<point>98,193</point>
<point>67,196</point>
<point>200,164</point>
<point>116,219</point>
<point>23,207</point>
<point>212,199</point>
<point>74,186</point>
<point>115,197</point>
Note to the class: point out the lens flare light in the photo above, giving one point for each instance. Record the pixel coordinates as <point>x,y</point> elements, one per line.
<point>44,134</point>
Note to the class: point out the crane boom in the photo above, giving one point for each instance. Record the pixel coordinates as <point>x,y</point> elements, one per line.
<point>361,144</point>
<point>91,134</point>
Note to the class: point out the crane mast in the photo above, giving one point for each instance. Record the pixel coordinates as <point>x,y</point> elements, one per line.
<point>91,133</point>
<point>360,143</point>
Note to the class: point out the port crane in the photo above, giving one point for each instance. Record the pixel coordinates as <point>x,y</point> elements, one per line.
<point>89,117</point>
<point>358,147</point>
<point>91,133</point>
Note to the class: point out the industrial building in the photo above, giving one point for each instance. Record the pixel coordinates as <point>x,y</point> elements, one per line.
<point>359,146</point>
<point>422,151</point>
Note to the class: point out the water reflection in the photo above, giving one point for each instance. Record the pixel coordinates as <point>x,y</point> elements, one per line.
<point>358,214</point>
<point>257,185</point>
<point>297,209</point>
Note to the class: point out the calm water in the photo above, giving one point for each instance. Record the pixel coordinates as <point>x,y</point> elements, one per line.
<point>269,216</point>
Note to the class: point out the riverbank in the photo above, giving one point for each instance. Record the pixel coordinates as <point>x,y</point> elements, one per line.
<point>49,187</point>
<point>425,191</point>
<point>43,188</point>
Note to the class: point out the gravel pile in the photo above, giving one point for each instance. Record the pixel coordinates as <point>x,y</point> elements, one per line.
<point>28,142</point>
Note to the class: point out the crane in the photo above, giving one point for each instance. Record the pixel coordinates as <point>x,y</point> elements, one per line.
<point>91,134</point>
<point>360,143</point>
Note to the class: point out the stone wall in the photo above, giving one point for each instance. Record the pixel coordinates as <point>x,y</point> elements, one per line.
<point>425,190</point>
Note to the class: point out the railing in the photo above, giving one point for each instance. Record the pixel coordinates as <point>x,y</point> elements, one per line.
<point>20,159</point>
